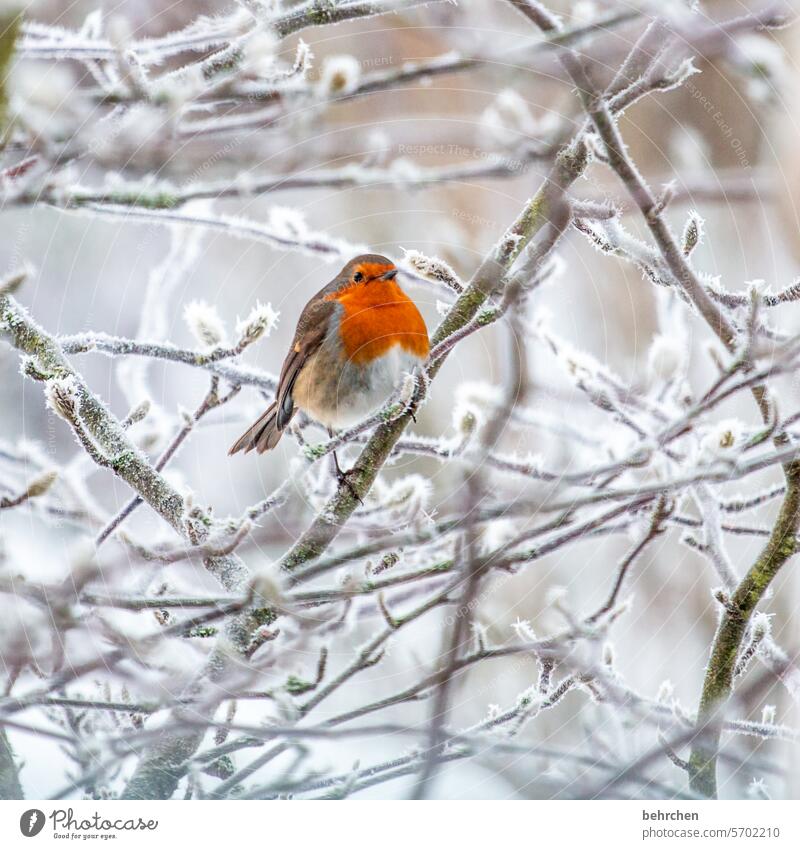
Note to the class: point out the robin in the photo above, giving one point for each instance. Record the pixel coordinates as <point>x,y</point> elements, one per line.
<point>354,339</point>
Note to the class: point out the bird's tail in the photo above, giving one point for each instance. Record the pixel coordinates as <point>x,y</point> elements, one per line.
<point>264,435</point>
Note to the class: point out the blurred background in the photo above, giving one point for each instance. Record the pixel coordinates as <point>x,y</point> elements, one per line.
<point>728,140</point>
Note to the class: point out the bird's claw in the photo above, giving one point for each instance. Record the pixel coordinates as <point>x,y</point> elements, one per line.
<point>344,480</point>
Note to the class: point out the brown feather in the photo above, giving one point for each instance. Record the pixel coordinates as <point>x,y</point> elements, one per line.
<point>263,435</point>
<point>312,326</point>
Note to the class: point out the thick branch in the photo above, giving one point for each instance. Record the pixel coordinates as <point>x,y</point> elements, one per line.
<point>718,684</point>
<point>121,456</point>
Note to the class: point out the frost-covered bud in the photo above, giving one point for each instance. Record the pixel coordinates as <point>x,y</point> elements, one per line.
<point>177,660</point>
<point>412,492</point>
<point>666,692</point>
<point>404,172</point>
<point>508,112</point>
<point>556,596</point>
<point>12,282</point>
<point>84,566</point>
<point>186,416</point>
<point>480,636</point>
<point>508,245</point>
<point>768,714</point>
<point>176,91</point>
<point>63,398</point>
<point>387,562</point>
<point>496,534</point>
<point>508,120</point>
<point>719,594</point>
<point>756,289</point>
<point>340,75</point>
<point>259,53</point>
<point>150,440</point>
<point>303,58</point>
<point>524,631</point>
<point>760,626</point>
<point>262,320</point>
<point>205,323</point>
<point>721,440</point>
<point>265,588</point>
<point>245,185</point>
<point>764,61</point>
<point>140,127</point>
<point>92,26</point>
<point>29,367</point>
<point>408,388</point>
<point>41,484</point>
<point>378,145</point>
<point>666,358</point>
<point>139,412</point>
<point>472,398</point>
<point>466,421</point>
<point>434,269</point>
<point>493,711</point>
<point>608,654</point>
<point>693,232</point>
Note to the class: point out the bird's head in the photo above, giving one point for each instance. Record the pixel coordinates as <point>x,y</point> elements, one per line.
<point>366,269</point>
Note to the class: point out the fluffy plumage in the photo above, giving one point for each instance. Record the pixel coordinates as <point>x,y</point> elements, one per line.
<point>353,340</point>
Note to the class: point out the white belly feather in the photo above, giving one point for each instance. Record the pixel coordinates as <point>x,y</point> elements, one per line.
<point>358,398</point>
<point>339,394</point>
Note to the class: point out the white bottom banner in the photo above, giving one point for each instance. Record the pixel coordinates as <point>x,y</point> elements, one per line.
<point>388,825</point>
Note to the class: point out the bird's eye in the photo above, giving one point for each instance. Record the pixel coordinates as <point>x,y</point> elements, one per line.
<point>358,277</point>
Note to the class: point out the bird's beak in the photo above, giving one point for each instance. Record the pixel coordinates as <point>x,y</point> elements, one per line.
<point>389,275</point>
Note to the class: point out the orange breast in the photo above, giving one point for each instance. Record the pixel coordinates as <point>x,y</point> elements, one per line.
<point>377,316</point>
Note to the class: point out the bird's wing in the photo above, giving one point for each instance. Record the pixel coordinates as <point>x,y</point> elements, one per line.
<point>262,435</point>
<point>311,329</point>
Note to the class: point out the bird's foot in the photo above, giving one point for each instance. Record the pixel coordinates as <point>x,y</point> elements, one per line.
<point>344,480</point>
